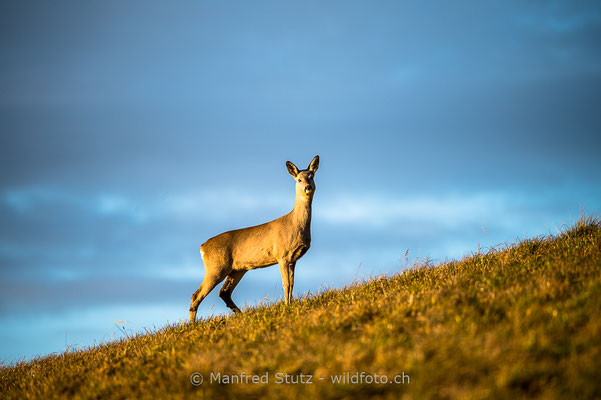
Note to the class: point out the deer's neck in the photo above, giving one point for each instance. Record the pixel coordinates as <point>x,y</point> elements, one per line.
<point>301,214</point>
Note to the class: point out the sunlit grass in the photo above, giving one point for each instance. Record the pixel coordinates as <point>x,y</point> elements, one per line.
<point>522,320</point>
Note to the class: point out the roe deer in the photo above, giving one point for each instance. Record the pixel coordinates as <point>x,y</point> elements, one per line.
<point>282,241</point>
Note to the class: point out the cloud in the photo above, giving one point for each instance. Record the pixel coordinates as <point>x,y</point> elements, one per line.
<point>55,234</point>
<point>209,204</point>
<point>379,212</point>
<point>60,235</point>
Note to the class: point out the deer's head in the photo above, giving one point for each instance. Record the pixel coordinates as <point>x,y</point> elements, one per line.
<point>305,185</point>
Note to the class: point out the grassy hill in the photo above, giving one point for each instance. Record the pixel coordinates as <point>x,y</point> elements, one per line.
<point>519,321</point>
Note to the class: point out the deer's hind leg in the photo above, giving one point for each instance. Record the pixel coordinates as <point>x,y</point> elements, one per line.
<point>211,279</point>
<point>228,287</point>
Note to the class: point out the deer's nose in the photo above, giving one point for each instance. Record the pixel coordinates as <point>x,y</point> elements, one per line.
<point>308,188</point>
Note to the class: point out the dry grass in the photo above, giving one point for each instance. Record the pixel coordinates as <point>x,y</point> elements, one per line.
<point>519,321</point>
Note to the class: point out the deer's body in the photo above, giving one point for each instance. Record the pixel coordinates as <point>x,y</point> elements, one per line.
<point>282,241</point>
<point>262,245</point>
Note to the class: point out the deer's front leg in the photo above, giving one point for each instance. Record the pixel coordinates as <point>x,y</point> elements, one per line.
<point>287,271</point>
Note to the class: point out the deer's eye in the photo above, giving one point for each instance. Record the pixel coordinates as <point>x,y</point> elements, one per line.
<point>299,180</point>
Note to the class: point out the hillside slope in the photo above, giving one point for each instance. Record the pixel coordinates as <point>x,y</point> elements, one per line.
<point>522,320</point>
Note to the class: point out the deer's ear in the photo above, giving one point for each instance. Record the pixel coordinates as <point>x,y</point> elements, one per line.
<point>292,169</point>
<point>314,164</point>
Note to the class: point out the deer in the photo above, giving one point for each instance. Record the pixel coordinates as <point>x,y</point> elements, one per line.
<point>282,241</point>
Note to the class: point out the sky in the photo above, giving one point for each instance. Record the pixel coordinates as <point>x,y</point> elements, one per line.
<point>131,132</point>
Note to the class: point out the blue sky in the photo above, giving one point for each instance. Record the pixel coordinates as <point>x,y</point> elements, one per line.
<point>132,132</point>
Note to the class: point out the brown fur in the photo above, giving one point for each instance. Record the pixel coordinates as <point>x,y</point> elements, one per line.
<point>282,241</point>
